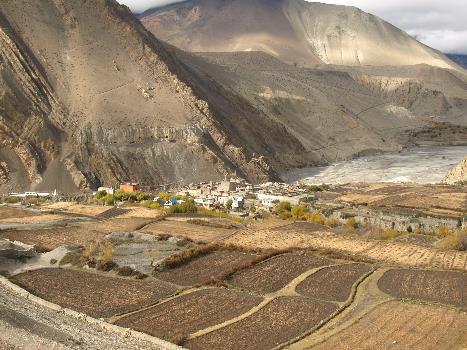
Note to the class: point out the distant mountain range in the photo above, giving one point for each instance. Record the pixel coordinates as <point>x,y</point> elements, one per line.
<point>459,59</point>
<point>295,31</point>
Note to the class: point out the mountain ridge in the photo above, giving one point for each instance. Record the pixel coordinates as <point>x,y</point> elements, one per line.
<point>90,97</point>
<point>296,31</point>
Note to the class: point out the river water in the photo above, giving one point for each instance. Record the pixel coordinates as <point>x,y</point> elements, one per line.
<point>425,164</point>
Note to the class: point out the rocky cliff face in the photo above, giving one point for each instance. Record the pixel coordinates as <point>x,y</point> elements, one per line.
<point>458,174</point>
<point>91,97</point>
<point>295,31</point>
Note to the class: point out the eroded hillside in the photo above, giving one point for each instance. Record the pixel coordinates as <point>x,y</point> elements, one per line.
<point>295,31</point>
<point>123,107</point>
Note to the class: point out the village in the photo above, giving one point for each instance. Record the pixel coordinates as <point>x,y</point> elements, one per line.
<point>397,207</point>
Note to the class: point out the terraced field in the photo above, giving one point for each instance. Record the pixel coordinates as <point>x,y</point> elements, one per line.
<point>333,283</point>
<point>404,326</point>
<point>187,230</point>
<point>49,238</point>
<point>191,312</point>
<point>206,268</point>
<point>93,294</point>
<point>439,286</point>
<point>281,320</point>
<point>398,253</point>
<point>339,292</point>
<point>275,273</point>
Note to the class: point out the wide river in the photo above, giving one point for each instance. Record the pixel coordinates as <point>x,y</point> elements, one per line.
<point>426,164</point>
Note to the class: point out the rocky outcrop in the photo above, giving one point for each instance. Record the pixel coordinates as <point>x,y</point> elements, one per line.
<point>16,250</point>
<point>458,174</point>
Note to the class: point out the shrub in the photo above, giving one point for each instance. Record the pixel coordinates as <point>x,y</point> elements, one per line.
<point>187,207</point>
<point>442,231</point>
<point>283,207</point>
<point>351,223</point>
<point>314,188</point>
<point>454,241</point>
<point>316,218</point>
<point>109,200</point>
<point>217,214</point>
<point>229,204</point>
<point>101,194</point>
<point>11,200</point>
<point>299,211</point>
<point>151,205</point>
<point>331,222</point>
<point>90,250</point>
<point>125,271</point>
<point>142,196</point>
<point>106,252</point>
<point>389,233</point>
<point>121,196</point>
<point>164,196</point>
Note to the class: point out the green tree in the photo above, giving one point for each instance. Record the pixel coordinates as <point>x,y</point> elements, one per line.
<point>229,204</point>
<point>101,194</point>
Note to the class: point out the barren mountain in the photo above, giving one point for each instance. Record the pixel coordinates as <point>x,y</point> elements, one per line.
<point>88,96</point>
<point>295,31</point>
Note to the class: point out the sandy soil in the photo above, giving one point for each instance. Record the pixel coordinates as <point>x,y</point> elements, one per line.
<point>91,210</point>
<point>9,212</point>
<point>34,219</point>
<point>82,234</point>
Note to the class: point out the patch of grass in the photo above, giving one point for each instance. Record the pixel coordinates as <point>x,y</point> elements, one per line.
<point>454,241</point>
<point>389,233</point>
<point>316,218</point>
<point>72,258</point>
<point>106,252</point>
<point>207,223</point>
<point>218,214</point>
<point>10,200</point>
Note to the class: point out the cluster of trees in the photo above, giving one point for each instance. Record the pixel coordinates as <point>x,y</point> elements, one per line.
<point>301,212</point>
